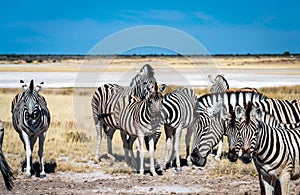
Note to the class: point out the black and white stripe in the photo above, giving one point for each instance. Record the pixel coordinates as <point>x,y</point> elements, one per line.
<point>31,119</point>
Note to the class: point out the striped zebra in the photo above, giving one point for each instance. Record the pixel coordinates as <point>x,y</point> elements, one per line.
<point>178,109</point>
<point>31,119</point>
<point>205,137</point>
<point>5,169</point>
<point>286,113</point>
<point>140,118</point>
<point>106,97</point>
<point>275,150</point>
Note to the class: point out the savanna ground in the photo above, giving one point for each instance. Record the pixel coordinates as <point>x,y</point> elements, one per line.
<point>72,149</point>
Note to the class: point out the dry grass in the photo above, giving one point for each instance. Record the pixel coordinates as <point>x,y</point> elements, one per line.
<point>65,141</point>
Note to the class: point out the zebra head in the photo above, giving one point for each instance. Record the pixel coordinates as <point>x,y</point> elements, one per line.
<point>33,104</point>
<point>219,84</point>
<point>233,136</point>
<point>155,101</point>
<point>141,81</point>
<point>250,122</point>
<point>208,129</point>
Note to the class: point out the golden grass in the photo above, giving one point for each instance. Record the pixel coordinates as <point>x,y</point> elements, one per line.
<point>65,140</point>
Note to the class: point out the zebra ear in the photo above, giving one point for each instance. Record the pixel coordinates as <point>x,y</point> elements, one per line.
<point>162,87</point>
<point>216,108</point>
<point>257,113</point>
<point>23,85</point>
<point>39,86</point>
<point>239,112</point>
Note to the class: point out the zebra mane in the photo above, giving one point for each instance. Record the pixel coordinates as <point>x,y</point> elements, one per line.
<point>249,107</point>
<point>245,90</point>
<point>31,86</point>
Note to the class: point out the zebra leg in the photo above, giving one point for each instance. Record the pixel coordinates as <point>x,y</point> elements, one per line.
<point>142,154</point>
<point>219,151</point>
<point>177,149</point>
<point>28,152</point>
<point>168,133</point>
<point>125,146</point>
<point>110,134</point>
<point>41,156</point>
<point>268,188</point>
<point>285,182</point>
<point>130,148</point>
<point>99,138</point>
<point>151,154</point>
<point>188,138</point>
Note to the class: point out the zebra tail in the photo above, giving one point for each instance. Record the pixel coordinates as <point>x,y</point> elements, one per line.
<point>6,172</point>
<point>103,115</point>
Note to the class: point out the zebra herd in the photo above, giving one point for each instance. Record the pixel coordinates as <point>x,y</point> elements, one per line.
<point>257,127</point>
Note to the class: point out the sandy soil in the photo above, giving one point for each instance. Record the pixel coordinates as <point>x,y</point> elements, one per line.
<point>191,181</point>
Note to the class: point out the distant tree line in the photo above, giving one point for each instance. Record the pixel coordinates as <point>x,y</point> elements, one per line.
<point>29,58</point>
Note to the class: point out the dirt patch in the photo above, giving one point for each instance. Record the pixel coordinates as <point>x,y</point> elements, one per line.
<point>190,181</point>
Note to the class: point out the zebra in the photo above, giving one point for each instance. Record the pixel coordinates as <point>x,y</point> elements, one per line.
<point>202,126</point>
<point>31,119</point>
<point>106,97</point>
<point>178,113</point>
<point>286,113</point>
<point>274,150</point>
<point>140,118</point>
<point>5,169</point>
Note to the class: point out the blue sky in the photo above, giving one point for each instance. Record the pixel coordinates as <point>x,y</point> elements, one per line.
<point>223,27</point>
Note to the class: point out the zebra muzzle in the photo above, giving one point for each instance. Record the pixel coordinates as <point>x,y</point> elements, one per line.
<point>232,155</point>
<point>197,159</point>
<point>246,157</point>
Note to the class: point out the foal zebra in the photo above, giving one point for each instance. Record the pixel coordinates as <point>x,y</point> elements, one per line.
<point>275,150</point>
<point>31,119</point>
<point>106,97</point>
<point>140,118</point>
<point>5,169</point>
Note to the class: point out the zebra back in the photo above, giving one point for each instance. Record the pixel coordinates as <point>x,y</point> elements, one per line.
<point>285,111</point>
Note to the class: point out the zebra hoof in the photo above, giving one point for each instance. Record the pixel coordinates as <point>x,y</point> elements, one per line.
<point>218,158</point>
<point>28,175</point>
<point>178,170</point>
<point>42,175</point>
